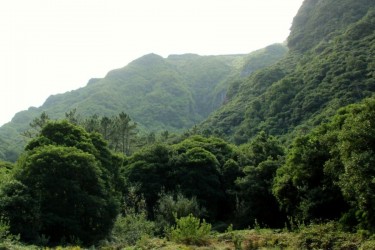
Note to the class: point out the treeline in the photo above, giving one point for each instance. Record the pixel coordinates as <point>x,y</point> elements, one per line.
<point>69,186</point>
<point>119,131</point>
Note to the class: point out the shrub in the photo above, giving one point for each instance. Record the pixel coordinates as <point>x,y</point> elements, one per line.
<point>130,228</point>
<point>170,206</point>
<point>325,236</point>
<point>190,230</point>
<point>4,229</point>
<point>132,224</point>
<point>368,245</point>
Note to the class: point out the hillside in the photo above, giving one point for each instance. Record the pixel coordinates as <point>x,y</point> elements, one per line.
<point>330,64</point>
<point>302,176</point>
<point>158,93</point>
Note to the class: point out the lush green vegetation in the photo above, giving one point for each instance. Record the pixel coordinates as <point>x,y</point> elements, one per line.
<point>173,93</point>
<point>297,170</point>
<point>63,187</point>
<point>70,189</point>
<point>305,89</point>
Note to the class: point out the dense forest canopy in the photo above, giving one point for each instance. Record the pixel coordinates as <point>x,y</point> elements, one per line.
<point>287,145</point>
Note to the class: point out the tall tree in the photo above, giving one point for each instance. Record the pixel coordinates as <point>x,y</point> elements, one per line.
<point>256,201</point>
<point>126,131</point>
<point>357,150</point>
<point>64,187</point>
<point>36,125</point>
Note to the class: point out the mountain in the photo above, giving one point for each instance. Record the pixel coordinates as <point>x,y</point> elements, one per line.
<point>158,93</point>
<point>330,64</point>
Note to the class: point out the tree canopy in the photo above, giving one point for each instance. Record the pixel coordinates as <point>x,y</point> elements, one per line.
<point>63,186</point>
<point>329,173</point>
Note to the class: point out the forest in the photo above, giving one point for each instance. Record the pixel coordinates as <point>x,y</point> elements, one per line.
<point>75,184</point>
<point>285,160</point>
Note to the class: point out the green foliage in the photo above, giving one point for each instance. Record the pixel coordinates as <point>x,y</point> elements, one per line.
<point>202,166</point>
<point>368,245</point>
<point>150,169</point>
<point>304,89</point>
<point>169,207</point>
<point>190,230</point>
<point>119,131</point>
<point>329,171</point>
<point>5,171</point>
<point>321,20</point>
<point>4,229</point>
<point>36,125</point>
<point>68,182</point>
<point>132,224</point>
<point>171,93</point>
<point>196,167</point>
<point>325,236</point>
<point>356,144</point>
<point>256,201</point>
<point>303,186</point>
<point>196,173</point>
<point>130,228</point>
<point>16,199</point>
<point>61,188</point>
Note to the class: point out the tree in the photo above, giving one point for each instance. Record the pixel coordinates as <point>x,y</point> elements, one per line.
<point>174,206</point>
<point>65,173</point>
<point>305,186</point>
<point>195,167</point>
<point>73,117</point>
<point>222,161</point>
<point>149,168</point>
<point>36,125</point>
<point>190,230</point>
<point>329,173</point>
<point>125,130</point>
<point>256,201</point>
<point>356,143</point>
<point>92,124</point>
<point>105,126</point>
<point>196,172</point>
<point>5,169</point>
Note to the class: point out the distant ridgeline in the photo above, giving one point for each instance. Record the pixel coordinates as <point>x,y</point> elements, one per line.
<point>159,94</point>
<point>330,64</point>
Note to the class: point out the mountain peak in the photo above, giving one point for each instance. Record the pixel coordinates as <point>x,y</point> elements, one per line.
<point>318,21</point>
<point>148,59</point>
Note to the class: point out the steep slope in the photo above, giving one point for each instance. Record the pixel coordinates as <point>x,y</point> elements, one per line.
<point>330,64</point>
<point>158,93</point>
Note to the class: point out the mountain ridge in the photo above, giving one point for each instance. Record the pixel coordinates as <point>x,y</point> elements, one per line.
<point>172,93</point>
<point>311,83</point>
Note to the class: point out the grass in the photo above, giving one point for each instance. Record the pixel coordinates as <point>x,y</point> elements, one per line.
<point>311,237</point>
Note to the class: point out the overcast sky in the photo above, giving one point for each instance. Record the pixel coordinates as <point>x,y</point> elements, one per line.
<point>53,46</point>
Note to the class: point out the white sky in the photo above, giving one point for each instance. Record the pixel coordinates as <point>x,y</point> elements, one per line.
<point>53,46</point>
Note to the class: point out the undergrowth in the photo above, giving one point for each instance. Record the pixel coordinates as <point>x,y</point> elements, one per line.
<point>190,233</point>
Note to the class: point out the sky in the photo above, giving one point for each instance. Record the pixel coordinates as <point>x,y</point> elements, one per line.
<point>54,46</point>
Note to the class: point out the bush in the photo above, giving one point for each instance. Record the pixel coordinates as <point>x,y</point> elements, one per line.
<point>190,230</point>
<point>325,236</point>
<point>368,245</point>
<point>4,229</point>
<point>132,225</point>
<point>170,206</point>
<point>130,228</point>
